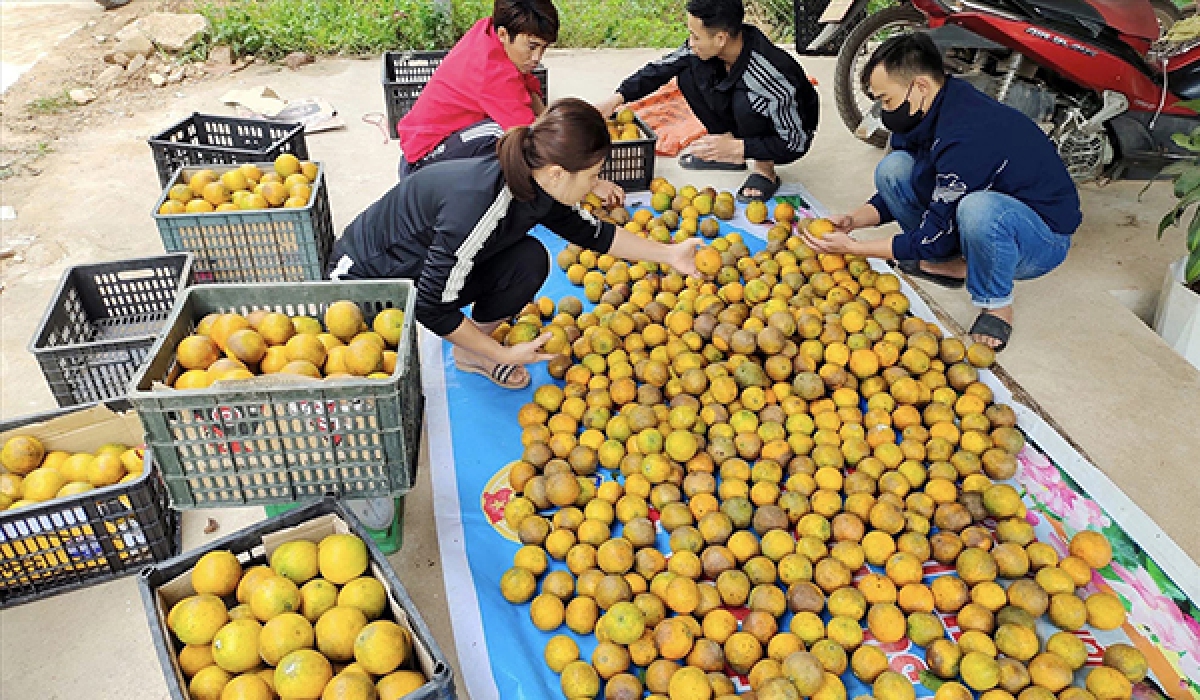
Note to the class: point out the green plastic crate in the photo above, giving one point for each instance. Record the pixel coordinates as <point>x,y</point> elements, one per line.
<point>389,540</point>
<point>278,439</point>
<point>265,245</point>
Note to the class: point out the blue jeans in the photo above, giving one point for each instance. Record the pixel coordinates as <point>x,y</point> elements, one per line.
<point>1002,239</point>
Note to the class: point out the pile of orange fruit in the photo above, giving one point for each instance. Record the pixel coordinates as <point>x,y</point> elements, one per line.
<point>244,188</point>
<point>30,474</point>
<point>226,347</point>
<point>621,127</point>
<point>786,421</point>
<point>313,625</point>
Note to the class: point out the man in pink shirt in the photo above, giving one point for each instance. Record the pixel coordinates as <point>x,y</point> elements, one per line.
<point>484,87</point>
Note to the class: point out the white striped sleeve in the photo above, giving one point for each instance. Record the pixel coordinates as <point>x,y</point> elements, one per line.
<point>465,255</point>
<point>775,98</point>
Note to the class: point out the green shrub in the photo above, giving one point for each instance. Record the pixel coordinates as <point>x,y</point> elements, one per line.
<point>274,28</point>
<point>599,23</point>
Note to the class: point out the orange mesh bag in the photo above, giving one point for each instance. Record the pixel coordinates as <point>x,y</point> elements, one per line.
<point>668,114</point>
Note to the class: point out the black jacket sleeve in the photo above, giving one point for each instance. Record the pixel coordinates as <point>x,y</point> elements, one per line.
<point>781,90</point>
<point>655,74</point>
<point>579,227</point>
<point>447,264</point>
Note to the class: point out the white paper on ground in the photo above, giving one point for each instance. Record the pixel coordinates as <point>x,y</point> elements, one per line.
<point>260,99</point>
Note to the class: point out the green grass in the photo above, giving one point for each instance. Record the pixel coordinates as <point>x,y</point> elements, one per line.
<point>274,28</point>
<point>621,23</point>
<point>23,156</point>
<point>589,24</point>
<point>51,105</point>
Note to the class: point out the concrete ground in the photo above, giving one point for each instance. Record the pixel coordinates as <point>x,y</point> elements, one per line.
<point>1115,387</point>
<point>31,29</point>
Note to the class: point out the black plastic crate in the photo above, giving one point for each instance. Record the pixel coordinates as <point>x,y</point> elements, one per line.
<point>405,74</point>
<point>208,139</point>
<point>78,541</point>
<point>164,584</point>
<point>277,439</point>
<point>102,322</point>
<point>264,245</point>
<point>630,164</point>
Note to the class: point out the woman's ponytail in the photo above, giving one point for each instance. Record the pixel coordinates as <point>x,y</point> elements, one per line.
<point>570,133</point>
<point>518,172</point>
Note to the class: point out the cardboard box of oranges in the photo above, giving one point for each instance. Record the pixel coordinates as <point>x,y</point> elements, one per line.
<point>254,222</point>
<point>82,502</point>
<point>303,605</point>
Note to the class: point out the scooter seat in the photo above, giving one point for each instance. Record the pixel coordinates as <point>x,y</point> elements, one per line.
<point>1133,18</point>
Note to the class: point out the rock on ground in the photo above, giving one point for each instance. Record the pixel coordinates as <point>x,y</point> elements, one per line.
<point>296,59</point>
<point>82,96</point>
<point>136,64</point>
<point>110,76</point>
<point>169,31</point>
<point>221,56</point>
<point>135,44</point>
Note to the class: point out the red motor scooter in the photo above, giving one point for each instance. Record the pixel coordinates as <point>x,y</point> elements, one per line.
<point>1091,72</point>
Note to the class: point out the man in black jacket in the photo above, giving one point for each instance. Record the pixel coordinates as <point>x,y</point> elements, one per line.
<point>752,97</point>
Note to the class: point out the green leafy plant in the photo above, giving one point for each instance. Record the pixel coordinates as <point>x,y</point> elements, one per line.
<point>590,24</point>
<point>776,18</point>
<point>274,28</point>
<point>1185,175</point>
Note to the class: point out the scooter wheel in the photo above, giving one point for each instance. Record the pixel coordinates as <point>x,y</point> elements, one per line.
<point>846,90</point>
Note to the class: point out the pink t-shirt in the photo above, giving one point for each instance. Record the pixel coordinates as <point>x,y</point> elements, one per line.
<point>475,81</point>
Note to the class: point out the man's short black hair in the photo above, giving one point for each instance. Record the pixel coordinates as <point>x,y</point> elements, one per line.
<point>719,15</point>
<point>534,17</point>
<point>904,57</point>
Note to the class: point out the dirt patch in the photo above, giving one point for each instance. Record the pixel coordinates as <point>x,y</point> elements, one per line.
<point>38,110</point>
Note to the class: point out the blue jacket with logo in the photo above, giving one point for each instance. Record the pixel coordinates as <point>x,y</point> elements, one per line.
<point>968,142</point>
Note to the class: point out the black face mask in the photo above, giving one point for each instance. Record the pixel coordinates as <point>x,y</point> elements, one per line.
<point>901,120</point>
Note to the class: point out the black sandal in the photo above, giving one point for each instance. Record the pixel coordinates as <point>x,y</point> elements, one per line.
<point>499,375</point>
<point>765,187</point>
<point>992,326</point>
<point>912,268</point>
<point>687,161</point>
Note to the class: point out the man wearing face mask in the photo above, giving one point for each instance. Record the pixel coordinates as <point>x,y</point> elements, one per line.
<point>980,193</point>
<point>753,98</point>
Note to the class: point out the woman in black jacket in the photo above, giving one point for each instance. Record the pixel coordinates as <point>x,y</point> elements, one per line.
<point>460,231</point>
